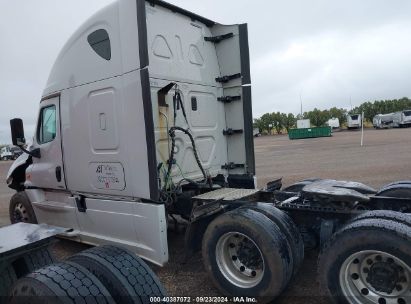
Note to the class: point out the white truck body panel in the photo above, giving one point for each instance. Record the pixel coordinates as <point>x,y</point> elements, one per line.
<point>128,223</point>
<point>54,208</point>
<point>98,171</point>
<point>88,144</point>
<point>303,124</point>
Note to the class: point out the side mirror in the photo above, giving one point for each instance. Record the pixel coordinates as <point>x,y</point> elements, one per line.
<point>17,136</point>
<point>17,132</point>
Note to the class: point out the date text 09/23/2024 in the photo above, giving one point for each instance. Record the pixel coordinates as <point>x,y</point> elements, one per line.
<point>202,300</point>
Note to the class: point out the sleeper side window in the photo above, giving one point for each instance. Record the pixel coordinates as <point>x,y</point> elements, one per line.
<point>100,43</point>
<point>46,131</point>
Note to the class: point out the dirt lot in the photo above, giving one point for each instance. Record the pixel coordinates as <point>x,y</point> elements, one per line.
<point>385,157</point>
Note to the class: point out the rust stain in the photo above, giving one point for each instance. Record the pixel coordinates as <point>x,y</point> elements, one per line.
<point>163,135</point>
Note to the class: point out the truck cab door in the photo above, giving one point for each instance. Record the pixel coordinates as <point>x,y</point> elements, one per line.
<point>47,171</point>
<point>45,179</point>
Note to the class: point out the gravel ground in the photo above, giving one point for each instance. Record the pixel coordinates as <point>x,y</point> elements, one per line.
<point>385,157</point>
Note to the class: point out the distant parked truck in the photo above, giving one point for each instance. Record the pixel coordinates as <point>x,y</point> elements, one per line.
<point>383,121</point>
<point>6,153</point>
<point>354,121</point>
<point>334,123</point>
<point>303,124</point>
<point>402,119</point>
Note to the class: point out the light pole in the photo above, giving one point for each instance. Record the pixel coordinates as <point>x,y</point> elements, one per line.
<point>362,128</point>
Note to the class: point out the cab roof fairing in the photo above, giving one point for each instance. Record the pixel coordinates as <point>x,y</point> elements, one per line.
<point>123,17</point>
<point>77,63</point>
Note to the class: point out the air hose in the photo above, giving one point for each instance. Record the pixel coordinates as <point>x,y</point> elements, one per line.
<point>173,143</point>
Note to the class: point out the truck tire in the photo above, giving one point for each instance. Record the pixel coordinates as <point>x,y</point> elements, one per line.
<point>399,217</point>
<point>398,190</point>
<point>246,254</point>
<point>367,261</point>
<point>60,283</point>
<point>7,279</point>
<point>287,226</point>
<point>395,183</point>
<point>37,259</point>
<point>21,267</point>
<point>124,274</point>
<point>21,210</point>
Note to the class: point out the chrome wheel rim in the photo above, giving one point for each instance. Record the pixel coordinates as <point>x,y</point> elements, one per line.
<point>20,214</point>
<point>240,260</point>
<point>375,277</point>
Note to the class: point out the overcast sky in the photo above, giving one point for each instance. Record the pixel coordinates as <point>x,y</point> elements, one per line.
<point>325,51</point>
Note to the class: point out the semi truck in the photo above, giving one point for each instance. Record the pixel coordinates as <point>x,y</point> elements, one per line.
<point>147,117</point>
<point>256,132</point>
<point>383,121</point>
<point>334,123</point>
<point>402,119</point>
<point>6,153</point>
<point>354,121</point>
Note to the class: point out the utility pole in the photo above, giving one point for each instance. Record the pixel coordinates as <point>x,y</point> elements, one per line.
<point>362,128</point>
<point>301,103</point>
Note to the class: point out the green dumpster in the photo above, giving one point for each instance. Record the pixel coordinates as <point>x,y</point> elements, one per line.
<point>309,132</point>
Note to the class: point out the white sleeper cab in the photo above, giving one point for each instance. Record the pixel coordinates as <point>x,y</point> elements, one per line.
<point>102,133</point>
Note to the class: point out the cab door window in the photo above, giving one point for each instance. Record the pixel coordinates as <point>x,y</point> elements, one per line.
<point>46,131</point>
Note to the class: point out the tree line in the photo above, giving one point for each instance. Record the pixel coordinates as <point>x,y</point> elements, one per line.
<point>371,109</point>
<point>279,121</point>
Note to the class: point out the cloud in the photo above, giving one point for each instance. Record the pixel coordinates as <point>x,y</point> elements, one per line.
<point>328,68</point>
<point>32,34</point>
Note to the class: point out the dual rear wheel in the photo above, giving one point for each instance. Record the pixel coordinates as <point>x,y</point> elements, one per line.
<point>251,251</point>
<point>368,261</point>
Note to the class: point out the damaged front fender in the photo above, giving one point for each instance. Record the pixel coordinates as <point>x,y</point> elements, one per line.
<point>16,174</point>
